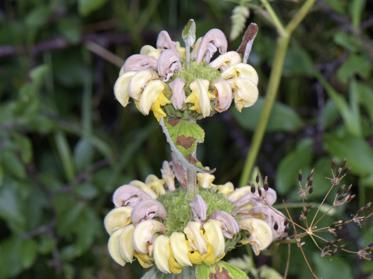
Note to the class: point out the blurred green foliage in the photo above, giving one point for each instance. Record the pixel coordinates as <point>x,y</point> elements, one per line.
<point>66,144</point>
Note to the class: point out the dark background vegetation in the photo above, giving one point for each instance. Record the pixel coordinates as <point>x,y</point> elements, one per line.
<point>66,144</point>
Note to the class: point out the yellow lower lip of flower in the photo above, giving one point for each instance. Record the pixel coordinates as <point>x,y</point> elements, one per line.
<point>195,257</point>
<point>175,268</point>
<point>144,260</point>
<point>157,106</point>
<point>209,258</point>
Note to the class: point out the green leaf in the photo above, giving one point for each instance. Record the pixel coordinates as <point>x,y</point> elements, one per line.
<point>329,115</point>
<point>269,273</point>
<point>154,273</point>
<point>70,28</point>
<point>16,254</point>
<point>233,271</point>
<point>298,62</point>
<point>203,271</point>
<point>290,166</point>
<point>356,151</point>
<point>88,6</point>
<point>83,154</point>
<point>320,181</point>
<point>12,164</point>
<point>186,135</point>
<point>283,118</point>
<point>332,265</point>
<point>356,9</point>
<point>347,41</point>
<point>354,65</point>
<point>337,5</point>
<point>365,94</point>
<point>65,155</point>
<point>24,146</point>
<point>10,207</point>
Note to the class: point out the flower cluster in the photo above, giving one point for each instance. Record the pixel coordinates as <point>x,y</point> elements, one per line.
<point>158,224</point>
<point>170,81</point>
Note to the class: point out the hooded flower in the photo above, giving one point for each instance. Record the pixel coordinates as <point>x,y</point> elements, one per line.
<point>161,80</point>
<point>139,225</point>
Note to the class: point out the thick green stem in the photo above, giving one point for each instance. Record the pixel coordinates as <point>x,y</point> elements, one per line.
<point>274,80</point>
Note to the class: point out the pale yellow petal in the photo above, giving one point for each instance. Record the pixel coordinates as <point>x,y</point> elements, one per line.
<point>125,243</point>
<point>138,82</point>
<point>241,70</point>
<point>205,179</point>
<point>245,93</point>
<point>150,94</point>
<point>195,237</point>
<point>144,233</point>
<point>214,236</point>
<point>260,233</point>
<point>161,253</point>
<point>226,60</point>
<point>199,87</point>
<point>117,218</point>
<point>114,248</point>
<point>121,88</point>
<point>180,248</point>
<point>150,51</point>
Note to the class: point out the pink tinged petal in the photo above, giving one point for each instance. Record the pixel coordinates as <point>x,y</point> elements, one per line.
<point>274,218</point>
<point>179,170</point>
<point>148,209</point>
<point>225,96</point>
<point>199,208</point>
<point>168,176</point>
<point>213,41</point>
<point>168,64</point>
<point>230,226</point>
<point>164,41</point>
<point>128,195</point>
<point>178,93</point>
<point>139,62</point>
<point>226,60</point>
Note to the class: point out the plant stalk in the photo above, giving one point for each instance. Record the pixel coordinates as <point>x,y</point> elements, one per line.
<point>284,36</point>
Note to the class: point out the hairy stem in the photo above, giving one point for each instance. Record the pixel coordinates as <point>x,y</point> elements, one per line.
<point>274,80</point>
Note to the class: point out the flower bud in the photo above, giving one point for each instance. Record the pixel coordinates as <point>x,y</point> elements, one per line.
<point>148,209</point>
<point>144,234</point>
<point>117,218</point>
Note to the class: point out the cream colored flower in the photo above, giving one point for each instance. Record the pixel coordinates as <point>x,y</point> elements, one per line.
<point>161,253</point>
<point>226,60</point>
<point>156,184</point>
<point>144,234</point>
<point>223,96</point>
<point>225,189</point>
<point>121,88</point>
<point>214,236</point>
<point>195,237</point>
<point>150,51</point>
<point>117,218</point>
<point>139,81</point>
<point>125,243</point>
<point>245,93</point>
<point>260,233</point>
<point>141,185</point>
<point>205,179</point>
<point>200,97</point>
<point>180,248</point>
